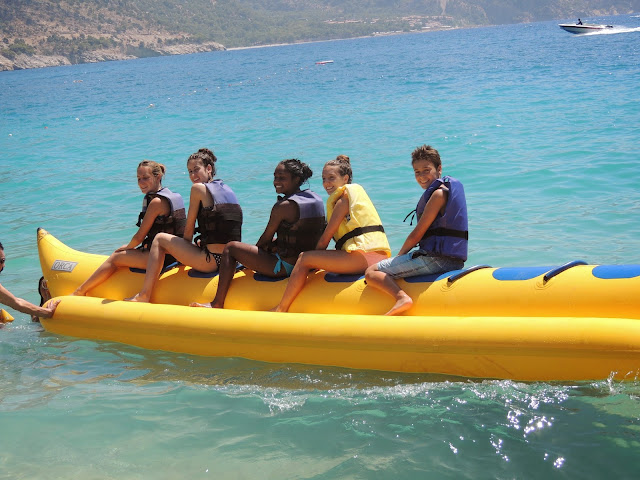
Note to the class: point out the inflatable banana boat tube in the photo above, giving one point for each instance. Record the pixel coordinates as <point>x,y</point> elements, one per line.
<point>573,322</point>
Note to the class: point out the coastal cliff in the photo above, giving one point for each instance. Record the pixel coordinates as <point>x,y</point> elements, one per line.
<point>23,61</point>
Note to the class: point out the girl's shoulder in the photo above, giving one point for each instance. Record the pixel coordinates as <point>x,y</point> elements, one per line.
<point>199,188</point>
<point>157,199</point>
<point>284,204</point>
<point>355,190</point>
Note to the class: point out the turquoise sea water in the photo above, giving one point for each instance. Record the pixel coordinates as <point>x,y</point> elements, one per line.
<point>540,125</point>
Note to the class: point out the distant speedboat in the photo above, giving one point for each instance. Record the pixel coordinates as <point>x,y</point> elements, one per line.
<point>324,62</point>
<point>579,28</point>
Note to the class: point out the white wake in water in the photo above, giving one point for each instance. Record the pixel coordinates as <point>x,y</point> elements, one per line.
<point>613,31</point>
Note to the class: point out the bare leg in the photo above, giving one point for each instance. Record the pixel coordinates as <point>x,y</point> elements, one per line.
<point>185,252</point>
<point>250,256</point>
<point>386,283</point>
<point>120,258</point>
<point>337,261</point>
<point>157,255</point>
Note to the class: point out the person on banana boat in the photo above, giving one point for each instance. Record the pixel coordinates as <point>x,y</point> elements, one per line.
<point>441,232</point>
<point>162,211</point>
<point>353,223</point>
<point>295,225</point>
<point>20,304</point>
<point>215,207</point>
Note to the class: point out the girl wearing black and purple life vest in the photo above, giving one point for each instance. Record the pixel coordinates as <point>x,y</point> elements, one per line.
<point>162,211</point>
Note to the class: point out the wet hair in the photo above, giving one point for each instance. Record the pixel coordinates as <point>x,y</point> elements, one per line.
<point>157,169</point>
<point>1,247</point>
<point>207,157</point>
<point>41,289</point>
<point>297,169</point>
<point>428,153</point>
<point>344,166</point>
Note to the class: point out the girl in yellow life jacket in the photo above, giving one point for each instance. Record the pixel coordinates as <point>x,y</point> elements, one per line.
<point>353,223</point>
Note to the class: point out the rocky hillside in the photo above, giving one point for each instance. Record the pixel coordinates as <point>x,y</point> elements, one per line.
<point>38,33</point>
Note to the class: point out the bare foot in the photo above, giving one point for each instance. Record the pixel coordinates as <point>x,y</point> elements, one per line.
<point>201,305</point>
<point>136,298</point>
<point>403,303</point>
<point>78,293</point>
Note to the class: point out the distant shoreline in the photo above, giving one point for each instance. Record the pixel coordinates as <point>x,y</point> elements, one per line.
<point>381,34</point>
<point>28,62</point>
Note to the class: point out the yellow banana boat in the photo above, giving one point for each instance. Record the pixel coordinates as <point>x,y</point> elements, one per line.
<point>573,322</point>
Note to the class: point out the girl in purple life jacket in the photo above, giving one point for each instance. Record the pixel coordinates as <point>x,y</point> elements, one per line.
<point>162,211</point>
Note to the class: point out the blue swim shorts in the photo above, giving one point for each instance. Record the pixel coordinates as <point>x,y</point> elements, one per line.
<point>418,263</point>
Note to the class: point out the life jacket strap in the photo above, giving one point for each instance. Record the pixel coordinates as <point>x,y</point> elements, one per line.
<point>358,231</point>
<point>412,212</point>
<point>447,232</point>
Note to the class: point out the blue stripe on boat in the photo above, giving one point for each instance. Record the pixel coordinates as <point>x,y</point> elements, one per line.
<point>505,274</point>
<point>341,278</point>
<point>258,277</point>
<point>616,271</point>
<point>519,273</point>
<point>198,274</point>
<point>165,269</point>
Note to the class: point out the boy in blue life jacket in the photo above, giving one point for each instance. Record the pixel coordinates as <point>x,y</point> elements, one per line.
<point>441,233</point>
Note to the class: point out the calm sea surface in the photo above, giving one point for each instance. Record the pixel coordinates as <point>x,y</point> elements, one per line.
<point>542,127</point>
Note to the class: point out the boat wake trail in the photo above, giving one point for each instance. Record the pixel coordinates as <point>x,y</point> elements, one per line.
<point>614,31</point>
